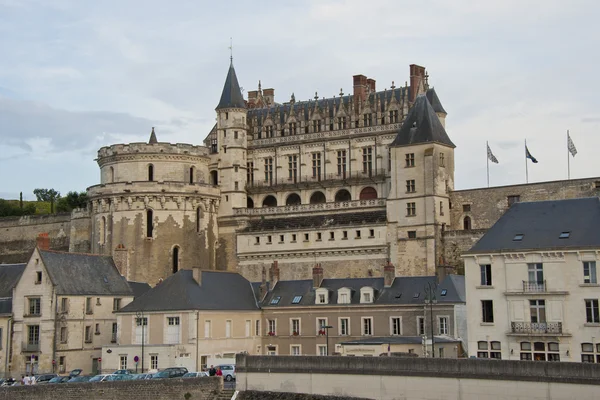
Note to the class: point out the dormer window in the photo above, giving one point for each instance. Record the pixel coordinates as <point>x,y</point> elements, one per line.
<point>322,296</point>
<point>344,296</point>
<point>366,295</point>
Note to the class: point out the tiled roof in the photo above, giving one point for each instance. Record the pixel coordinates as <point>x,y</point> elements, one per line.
<point>434,100</point>
<point>139,288</point>
<point>232,95</point>
<point>318,221</point>
<point>541,224</point>
<point>404,291</point>
<point>84,274</point>
<point>422,125</point>
<point>218,290</point>
<point>9,277</point>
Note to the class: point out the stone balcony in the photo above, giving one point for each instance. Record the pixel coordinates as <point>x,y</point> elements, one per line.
<point>537,329</point>
<point>303,208</point>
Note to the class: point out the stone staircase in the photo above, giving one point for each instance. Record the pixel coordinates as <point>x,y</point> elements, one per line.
<point>226,394</point>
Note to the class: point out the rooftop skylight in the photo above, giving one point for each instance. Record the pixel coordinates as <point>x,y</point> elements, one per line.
<point>518,237</point>
<point>275,300</point>
<point>564,235</point>
<point>296,299</point>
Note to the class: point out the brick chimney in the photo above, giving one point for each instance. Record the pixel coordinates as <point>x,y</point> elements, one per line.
<point>252,95</point>
<point>274,274</point>
<point>371,85</point>
<point>317,273</point>
<point>43,241</point>
<point>269,96</point>
<point>360,87</point>
<point>262,290</point>
<point>417,74</point>
<point>389,274</point>
<point>442,271</point>
<point>121,259</point>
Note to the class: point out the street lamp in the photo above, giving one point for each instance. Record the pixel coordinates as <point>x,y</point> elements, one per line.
<point>139,317</point>
<point>431,299</point>
<point>326,328</point>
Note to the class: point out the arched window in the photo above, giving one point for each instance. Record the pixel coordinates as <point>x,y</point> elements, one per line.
<point>317,198</point>
<point>175,261</point>
<point>149,223</point>
<point>270,201</point>
<point>249,202</point>
<point>150,172</point>
<point>102,230</point>
<point>198,219</point>
<point>343,195</point>
<point>293,200</point>
<point>368,193</point>
<point>192,175</point>
<point>214,178</point>
<point>111,175</point>
<point>467,223</point>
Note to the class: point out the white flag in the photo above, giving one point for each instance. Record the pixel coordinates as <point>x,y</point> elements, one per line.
<point>491,155</point>
<point>571,146</point>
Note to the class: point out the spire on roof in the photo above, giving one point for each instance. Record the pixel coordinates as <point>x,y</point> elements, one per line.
<point>232,95</point>
<point>152,137</point>
<point>422,125</point>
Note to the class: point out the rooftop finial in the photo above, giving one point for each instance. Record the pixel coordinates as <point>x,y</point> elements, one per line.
<point>341,92</point>
<point>231,50</point>
<point>153,139</point>
<point>259,86</point>
<point>316,96</point>
<point>393,85</point>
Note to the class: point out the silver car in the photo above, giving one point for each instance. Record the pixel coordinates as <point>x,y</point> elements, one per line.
<point>228,371</point>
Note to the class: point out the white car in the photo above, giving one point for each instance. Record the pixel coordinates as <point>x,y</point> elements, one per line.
<point>100,378</point>
<point>228,371</point>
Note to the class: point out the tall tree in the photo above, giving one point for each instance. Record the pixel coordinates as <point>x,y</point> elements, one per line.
<point>71,201</point>
<point>47,195</point>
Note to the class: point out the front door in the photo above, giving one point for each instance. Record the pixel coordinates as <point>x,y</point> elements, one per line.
<point>95,366</point>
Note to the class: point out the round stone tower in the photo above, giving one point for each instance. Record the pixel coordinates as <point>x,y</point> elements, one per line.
<point>154,209</point>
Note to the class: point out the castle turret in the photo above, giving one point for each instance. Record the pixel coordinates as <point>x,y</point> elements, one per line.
<point>232,145</point>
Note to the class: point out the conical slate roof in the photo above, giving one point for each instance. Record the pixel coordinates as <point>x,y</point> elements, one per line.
<point>422,125</point>
<point>435,101</point>
<point>153,139</point>
<point>232,95</point>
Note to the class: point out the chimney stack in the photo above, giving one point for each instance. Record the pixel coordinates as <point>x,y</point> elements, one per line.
<point>360,87</point>
<point>262,290</point>
<point>442,271</point>
<point>43,241</point>
<point>252,95</point>
<point>197,274</point>
<point>121,259</point>
<point>417,74</point>
<point>389,274</point>
<point>371,85</point>
<point>317,273</point>
<point>269,96</point>
<point>274,274</point>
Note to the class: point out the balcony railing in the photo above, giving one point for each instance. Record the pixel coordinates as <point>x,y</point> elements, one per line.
<point>537,327</point>
<point>304,180</point>
<point>534,286</point>
<point>30,347</point>
<point>332,206</point>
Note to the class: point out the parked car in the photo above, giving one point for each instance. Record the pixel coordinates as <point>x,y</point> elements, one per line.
<point>100,378</point>
<point>43,378</point>
<point>75,372</point>
<point>228,371</point>
<point>172,372</point>
<point>142,376</point>
<point>195,374</point>
<point>80,378</point>
<point>8,382</point>
<point>123,372</point>
<point>59,379</point>
<point>119,377</point>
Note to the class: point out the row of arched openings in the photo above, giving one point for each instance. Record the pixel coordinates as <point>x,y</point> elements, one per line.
<point>317,197</point>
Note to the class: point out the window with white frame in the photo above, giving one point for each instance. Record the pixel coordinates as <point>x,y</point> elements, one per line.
<point>173,330</point>
<point>322,296</point>
<point>295,350</point>
<point>207,329</point>
<point>588,355</point>
<point>123,362</point>
<point>367,326</point>
<point>420,326</point>
<point>540,351</point>
<point>366,295</point>
<point>321,322</point>
<point>321,349</point>
<point>343,296</point>
<point>257,328</point>
<point>489,349</point>
<point>589,272</point>
<point>486,275</point>
<point>154,361</point>
<point>272,327</point>
<point>395,326</point>
<point>228,328</point>
<point>295,326</point>
<point>248,328</point>
<point>591,311</point>
<point>344,326</point>
<point>443,325</point>
<point>141,328</point>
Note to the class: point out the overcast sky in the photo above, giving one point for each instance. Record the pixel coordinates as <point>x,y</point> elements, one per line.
<point>79,74</point>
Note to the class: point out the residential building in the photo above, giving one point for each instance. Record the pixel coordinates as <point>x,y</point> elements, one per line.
<point>192,318</point>
<point>9,276</point>
<point>532,287</point>
<point>63,310</point>
<point>310,317</point>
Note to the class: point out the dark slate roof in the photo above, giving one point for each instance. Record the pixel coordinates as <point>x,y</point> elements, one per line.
<point>541,224</point>
<point>402,291</point>
<point>434,100</point>
<point>397,340</point>
<point>6,305</point>
<point>313,221</point>
<point>139,288</point>
<point>153,139</point>
<point>9,277</point>
<point>422,125</point>
<point>232,95</point>
<point>219,291</point>
<point>84,274</point>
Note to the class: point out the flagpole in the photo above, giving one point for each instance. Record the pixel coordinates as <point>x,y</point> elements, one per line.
<point>487,157</point>
<point>526,171</point>
<point>568,158</point>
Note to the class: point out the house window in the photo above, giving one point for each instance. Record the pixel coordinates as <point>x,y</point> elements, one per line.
<point>367,297</point>
<point>367,160</point>
<point>295,350</point>
<point>173,327</point>
<point>316,125</point>
<point>321,323</point>
<point>316,165</point>
<point>149,223</point>
<point>489,350</point>
<point>88,334</point>
<point>295,326</point>
<point>154,361</point>
<point>412,234</point>
<point>341,122</point>
<point>536,277</point>
<point>34,306</point>
<point>393,116</point>
<point>38,277</point>
<point>540,351</point>
<point>367,326</point>
<point>537,309</point>
<point>88,306</point>
<point>367,119</point>
<point>589,272</point>
<point>272,327</point>
<point>344,234</point>
<point>395,326</point>
<point>487,311</point>
<point>213,145</point>
<point>591,311</point>
<point>321,349</point>
<point>257,328</point>
<point>123,362</point>
<point>410,186</point>
<point>486,275</point>
<point>293,168</point>
<point>141,330</point>
<point>443,324</point>
<point>371,233</point>
<point>269,131</point>
<point>322,298</point>
<point>256,239</point>
<point>343,298</point>
<point>411,209</point>
<point>269,170</point>
<point>587,353</point>
<point>250,172</point>
<point>62,363</point>
<point>331,236</point>
<point>281,238</point>
<point>150,172</point>
<point>33,337</point>
<point>410,160</point>
<point>97,330</point>
<point>269,240</point>
<point>116,304</point>
<point>64,305</point>
<point>341,163</point>
<point>306,237</point>
<point>63,334</point>
<point>441,208</point>
<point>227,329</point>
<point>513,199</point>
<point>466,207</point>
<point>319,236</point>
<point>420,326</point>
<point>235,134</point>
<point>344,326</point>
<point>113,337</point>
<point>207,329</point>
<point>357,234</point>
<point>293,237</point>
<point>292,128</point>
<point>248,327</point>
